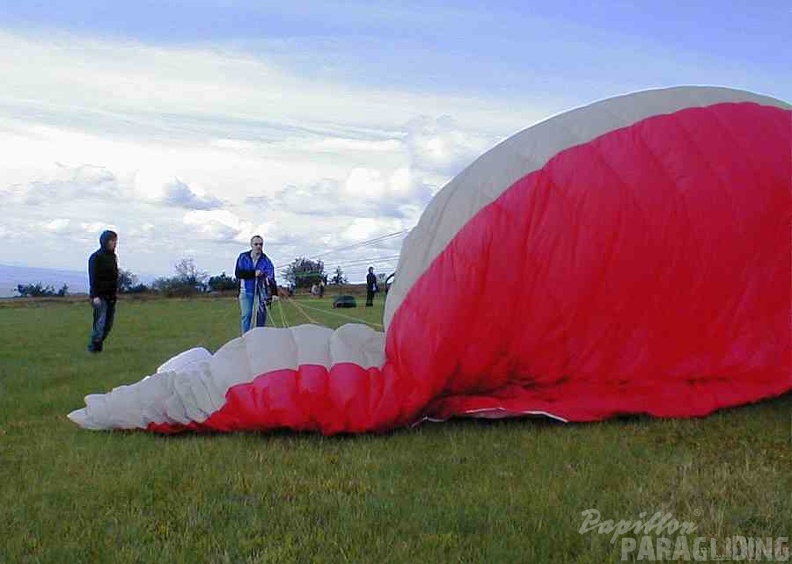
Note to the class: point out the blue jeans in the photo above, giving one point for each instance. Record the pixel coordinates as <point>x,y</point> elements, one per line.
<point>103,317</point>
<point>246,307</point>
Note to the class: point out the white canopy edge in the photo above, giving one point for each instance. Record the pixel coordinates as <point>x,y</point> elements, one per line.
<point>192,385</point>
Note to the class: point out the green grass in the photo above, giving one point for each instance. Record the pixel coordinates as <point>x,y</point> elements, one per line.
<point>460,491</point>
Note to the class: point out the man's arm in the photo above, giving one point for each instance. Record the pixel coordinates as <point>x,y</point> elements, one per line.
<point>269,271</point>
<point>92,276</point>
<point>241,272</point>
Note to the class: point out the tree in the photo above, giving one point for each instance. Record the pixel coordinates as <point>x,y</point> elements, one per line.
<point>39,290</point>
<point>138,289</point>
<point>189,274</point>
<point>222,282</point>
<point>338,278</point>
<point>126,281</point>
<point>188,280</point>
<point>173,287</point>
<point>304,273</point>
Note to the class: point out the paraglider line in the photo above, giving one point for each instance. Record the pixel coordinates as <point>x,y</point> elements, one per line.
<point>367,243</point>
<point>312,320</point>
<point>283,316</point>
<point>344,316</point>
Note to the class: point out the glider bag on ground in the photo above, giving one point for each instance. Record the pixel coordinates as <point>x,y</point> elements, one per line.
<point>629,257</point>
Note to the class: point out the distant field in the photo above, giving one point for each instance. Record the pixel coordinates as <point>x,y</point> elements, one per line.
<point>460,491</point>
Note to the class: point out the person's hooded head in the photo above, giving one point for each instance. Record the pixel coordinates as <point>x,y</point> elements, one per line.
<point>106,237</point>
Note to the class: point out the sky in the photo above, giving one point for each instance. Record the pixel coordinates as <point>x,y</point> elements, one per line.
<point>324,126</point>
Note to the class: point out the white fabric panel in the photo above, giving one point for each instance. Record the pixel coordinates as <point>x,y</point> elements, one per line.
<point>94,415</point>
<point>359,344</point>
<point>123,407</point>
<point>80,416</point>
<point>269,349</point>
<point>164,397</point>
<point>495,171</point>
<point>215,395</point>
<point>313,344</point>
<point>174,407</point>
<point>151,394</point>
<point>181,360</point>
<point>230,365</point>
<point>195,398</point>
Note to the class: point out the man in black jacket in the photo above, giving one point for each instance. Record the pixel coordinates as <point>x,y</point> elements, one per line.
<point>371,286</point>
<point>103,275</point>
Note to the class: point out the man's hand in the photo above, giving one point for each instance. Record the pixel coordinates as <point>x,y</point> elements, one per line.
<point>96,301</point>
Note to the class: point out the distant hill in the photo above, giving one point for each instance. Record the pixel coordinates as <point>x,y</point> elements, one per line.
<point>11,276</point>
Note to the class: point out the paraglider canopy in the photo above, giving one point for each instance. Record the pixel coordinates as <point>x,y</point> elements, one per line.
<point>641,254</point>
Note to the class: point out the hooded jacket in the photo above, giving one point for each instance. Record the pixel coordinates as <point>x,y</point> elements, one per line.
<point>103,269</point>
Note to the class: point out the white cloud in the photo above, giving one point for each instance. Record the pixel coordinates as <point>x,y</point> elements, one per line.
<point>360,230</point>
<point>218,225</point>
<point>365,183</point>
<point>178,194</point>
<point>63,183</point>
<point>441,145</point>
<point>57,225</point>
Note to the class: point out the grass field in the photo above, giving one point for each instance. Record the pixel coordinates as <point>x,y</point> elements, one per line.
<point>460,491</point>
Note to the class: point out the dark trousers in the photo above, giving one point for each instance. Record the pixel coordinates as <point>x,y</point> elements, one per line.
<point>370,297</point>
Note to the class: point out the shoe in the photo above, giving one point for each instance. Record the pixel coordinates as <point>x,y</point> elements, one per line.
<point>95,347</point>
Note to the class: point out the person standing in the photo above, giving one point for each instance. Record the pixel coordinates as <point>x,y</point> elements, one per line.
<point>103,280</point>
<point>256,276</point>
<point>371,286</point>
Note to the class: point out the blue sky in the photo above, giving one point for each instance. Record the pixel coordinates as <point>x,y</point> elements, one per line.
<point>189,126</point>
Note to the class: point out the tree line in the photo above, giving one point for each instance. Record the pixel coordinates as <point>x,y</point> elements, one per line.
<point>189,280</point>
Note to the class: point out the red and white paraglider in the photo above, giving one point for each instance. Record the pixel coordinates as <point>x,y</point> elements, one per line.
<point>640,248</point>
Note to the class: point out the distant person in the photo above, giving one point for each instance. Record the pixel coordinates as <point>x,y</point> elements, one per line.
<point>103,279</point>
<point>371,286</point>
<point>256,276</point>
<point>321,288</point>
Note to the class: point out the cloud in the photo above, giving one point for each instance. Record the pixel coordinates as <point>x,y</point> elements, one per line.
<point>219,226</point>
<point>66,184</point>
<point>60,225</point>
<point>319,199</point>
<point>179,195</point>
<point>440,145</point>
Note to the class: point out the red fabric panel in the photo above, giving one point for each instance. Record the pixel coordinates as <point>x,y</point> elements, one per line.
<point>345,399</point>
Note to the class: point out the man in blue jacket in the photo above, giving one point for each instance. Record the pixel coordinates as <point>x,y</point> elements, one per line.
<point>103,278</point>
<point>256,276</point>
